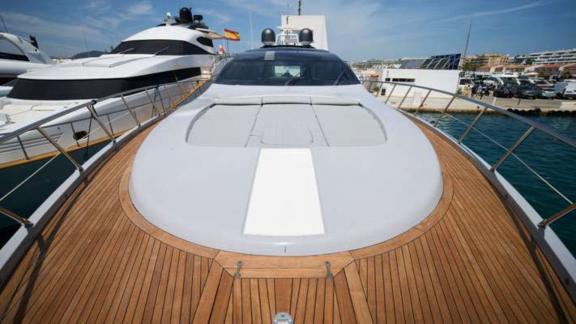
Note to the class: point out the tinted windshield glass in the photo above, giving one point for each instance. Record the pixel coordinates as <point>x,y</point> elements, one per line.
<point>158,47</point>
<point>10,52</point>
<point>295,68</point>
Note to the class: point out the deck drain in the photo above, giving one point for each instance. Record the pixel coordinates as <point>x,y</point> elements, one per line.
<point>283,318</point>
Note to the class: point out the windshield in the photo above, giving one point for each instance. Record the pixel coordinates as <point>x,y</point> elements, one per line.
<point>158,47</point>
<point>294,68</point>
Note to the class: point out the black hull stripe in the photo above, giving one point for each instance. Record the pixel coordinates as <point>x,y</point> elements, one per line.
<point>91,89</point>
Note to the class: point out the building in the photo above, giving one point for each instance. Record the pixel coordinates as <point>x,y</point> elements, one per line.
<point>446,80</point>
<point>486,59</point>
<point>548,70</point>
<point>568,70</point>
<point>516,69</point>
<point>549,57</point>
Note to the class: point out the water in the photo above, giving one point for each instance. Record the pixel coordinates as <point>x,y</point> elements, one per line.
<point>552,159</point>
<point>555,161</point>
<point>28,197</point>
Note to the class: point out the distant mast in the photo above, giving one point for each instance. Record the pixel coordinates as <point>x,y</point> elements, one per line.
<point>467,40</point>
<point>299,7</point>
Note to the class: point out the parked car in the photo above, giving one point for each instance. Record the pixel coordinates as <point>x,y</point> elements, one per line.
<point>565,89</point>
<point>547,93</point>
<point>504,91</point>
<point>526,91</point>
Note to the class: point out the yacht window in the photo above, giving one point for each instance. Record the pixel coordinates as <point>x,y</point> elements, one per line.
<point>205,41</point>
<point>289,69</point>
<point>9,51</point>
<point>281,71</point>
<point>158,47</point>
<point>93,88</point>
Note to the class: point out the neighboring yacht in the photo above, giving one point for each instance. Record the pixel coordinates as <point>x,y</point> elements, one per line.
<point>177,50</point>
<point>286,193</point>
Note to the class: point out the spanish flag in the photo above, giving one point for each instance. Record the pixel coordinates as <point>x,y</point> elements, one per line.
<point>231,35</point>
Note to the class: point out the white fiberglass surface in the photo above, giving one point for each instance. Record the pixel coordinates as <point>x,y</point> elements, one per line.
<point>284,199</point>
<point>285,176</point>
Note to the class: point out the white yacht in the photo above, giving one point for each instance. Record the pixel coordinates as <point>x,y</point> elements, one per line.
<point>287,193</point>
<point>178,50</point>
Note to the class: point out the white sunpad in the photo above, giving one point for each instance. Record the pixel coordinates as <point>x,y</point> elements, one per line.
<point>284,200</point>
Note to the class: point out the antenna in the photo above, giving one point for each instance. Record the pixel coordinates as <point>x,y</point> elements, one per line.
<point>84,38</point>
<point>251,32</point>
<point>467,40</point>
<point>4,23</point>
<point>299,7</point>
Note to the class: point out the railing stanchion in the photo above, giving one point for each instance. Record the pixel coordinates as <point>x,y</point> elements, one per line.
<point>95,116</point>
<point>110,125</point>
<point>511,150</point>
<point>557,216</point>
<point>153,102</point>
<point>161,99</point>
<point>22,147</point>
<point>423,101</point>
<point>391,92</point>
<point>60,149</point>
<point>472,124</point>
<point>445,110</point>
<point>404,98</point>
<point>130,111</point>
<point>19,219</point>
<point>380,89</point>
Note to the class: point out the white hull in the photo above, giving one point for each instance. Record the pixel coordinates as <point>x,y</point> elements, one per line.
<point>79,129</point>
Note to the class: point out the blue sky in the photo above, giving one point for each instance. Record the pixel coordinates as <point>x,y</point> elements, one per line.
<point>358,29</point>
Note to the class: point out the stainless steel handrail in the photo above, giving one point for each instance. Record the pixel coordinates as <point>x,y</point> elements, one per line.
<point>540,127</point>
<point>532,126</point>
<point>6,136</point>
<point>89,105</point>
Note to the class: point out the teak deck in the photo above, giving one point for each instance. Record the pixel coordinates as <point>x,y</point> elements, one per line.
<point>98,260</point>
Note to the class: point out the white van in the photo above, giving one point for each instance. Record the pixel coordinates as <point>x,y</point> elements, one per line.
<point>565,89</point>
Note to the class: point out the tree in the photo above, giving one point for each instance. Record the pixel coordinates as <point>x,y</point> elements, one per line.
<point>566,75</point>
<point>469,66</point>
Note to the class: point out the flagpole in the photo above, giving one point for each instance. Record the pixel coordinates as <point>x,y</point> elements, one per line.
<point>251,32</point>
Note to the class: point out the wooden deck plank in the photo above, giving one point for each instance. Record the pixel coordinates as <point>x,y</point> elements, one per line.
<point>329,301</point>
<point>208,295</point>
<point>411,280</point>
<point>246,302</point>
<point>345,306</point>
<point>310,301</point>
<point>264,301</point>
<point>300,310</point>
<point>136,305</point>
<point>270,285</point>
<point>357,295</point>
<point>222,299</point>
<point>320,303</point>
<point>283,293</point>
<point>108,314</point>
<point>132,290</point>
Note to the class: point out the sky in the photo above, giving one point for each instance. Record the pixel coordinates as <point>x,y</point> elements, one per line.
<point>357,29</point>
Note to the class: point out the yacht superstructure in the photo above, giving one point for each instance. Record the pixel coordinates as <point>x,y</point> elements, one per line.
<point>18,56</point>
<point>286,193</point>
<point>174,52</point>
